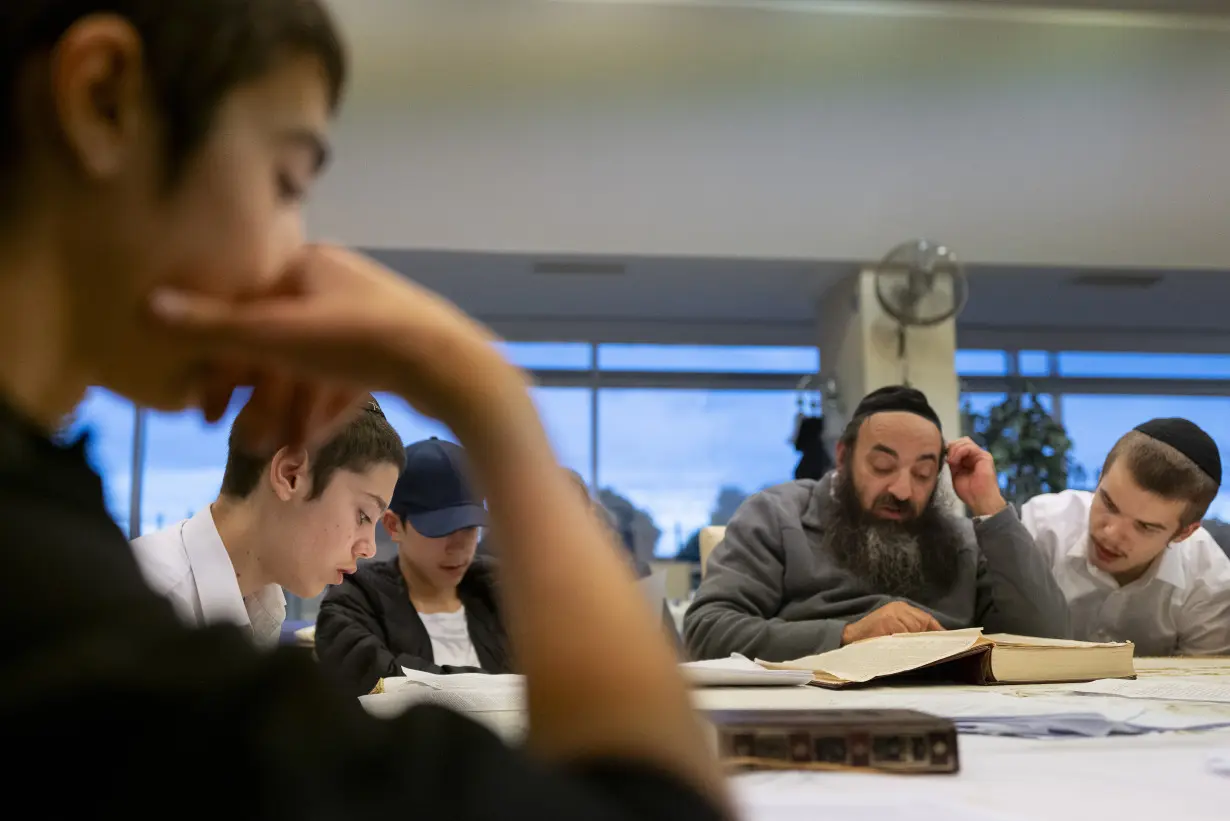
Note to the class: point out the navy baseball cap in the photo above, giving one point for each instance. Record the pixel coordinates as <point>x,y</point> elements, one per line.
<point>433,493</point>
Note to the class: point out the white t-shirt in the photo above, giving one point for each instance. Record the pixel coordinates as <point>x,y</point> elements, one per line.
<point>450,639</point>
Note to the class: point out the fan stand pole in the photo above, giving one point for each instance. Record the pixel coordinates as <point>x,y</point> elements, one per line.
<point>901,357</point>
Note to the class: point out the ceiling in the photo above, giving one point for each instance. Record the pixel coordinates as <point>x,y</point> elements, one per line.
<point>716,130</point>
<point>774,301</point>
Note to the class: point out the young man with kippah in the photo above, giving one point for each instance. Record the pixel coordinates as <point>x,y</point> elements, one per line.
<point>1131,557</point>
<point>293,519</point>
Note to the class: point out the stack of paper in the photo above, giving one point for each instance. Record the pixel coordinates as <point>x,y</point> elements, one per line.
<point>740,671</point>
<point>465,693</point>
<point>1162,689</point>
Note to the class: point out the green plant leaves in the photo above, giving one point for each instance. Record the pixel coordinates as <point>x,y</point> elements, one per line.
<point>1032,451</point>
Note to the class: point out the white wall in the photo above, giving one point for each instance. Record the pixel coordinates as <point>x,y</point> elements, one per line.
<point>547,128</point>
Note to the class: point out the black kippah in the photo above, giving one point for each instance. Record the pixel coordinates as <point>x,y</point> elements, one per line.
<point>897,398</point>
<point>1187,438</point>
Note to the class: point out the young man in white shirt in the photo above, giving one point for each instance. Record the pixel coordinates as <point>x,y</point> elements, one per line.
<point>433,607</point>
<point>1131,557</point>
<point>294,520</point>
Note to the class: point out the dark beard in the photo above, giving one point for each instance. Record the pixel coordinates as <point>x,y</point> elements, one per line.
<point>897,558</point>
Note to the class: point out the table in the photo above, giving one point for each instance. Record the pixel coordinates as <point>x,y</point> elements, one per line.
<point>1159,777</point>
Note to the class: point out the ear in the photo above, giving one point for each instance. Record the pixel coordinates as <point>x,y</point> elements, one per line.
<point>840,452</point>
<point>288,474</point>
<point>98,83</point>
<point>392,523</point>
<point>1185,532</point>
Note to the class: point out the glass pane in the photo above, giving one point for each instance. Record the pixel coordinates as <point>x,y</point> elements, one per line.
<point>184,460</point>
<point>565,414</point>
<point>709,358</point>
<point>108,419</point>
<point>682,456</point>
<point>981,363</point>
<point>1095,423</point>
<point>1144,365</point>
<point>983,402</point>
<point>411,425</point>
<point>548,356</point>
<point>1034,363</point>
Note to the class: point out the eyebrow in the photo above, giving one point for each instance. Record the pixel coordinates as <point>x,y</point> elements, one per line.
<point>926,457</point>
<point>1141,522</point>
<point>383,504</point>
<point>313,142</point>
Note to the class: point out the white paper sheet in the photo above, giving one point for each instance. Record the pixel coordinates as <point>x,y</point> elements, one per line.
<point>1219,762</point>
<point>802,796</point>
<point>1165,689</point>
<point>460,681</point>
<point>740,671</point>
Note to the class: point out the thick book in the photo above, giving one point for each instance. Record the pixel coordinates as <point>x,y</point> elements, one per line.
<point>966,656</point>
<point>895,741</point>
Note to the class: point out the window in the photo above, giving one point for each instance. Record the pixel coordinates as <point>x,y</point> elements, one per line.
<point>1034,363</point>
<point>565,414</point>
<point>411,425</point>
<point>109,421</point>
<point>184,462</point>
<point>981,363</point>
<point>548,356</point>
<point>983,402</point>
<point>709,358</point>
<point>1095,423</point>
<point>1144,365</point>
<point>671,453</point>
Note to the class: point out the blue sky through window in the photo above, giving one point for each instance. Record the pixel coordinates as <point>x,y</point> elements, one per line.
<point>1144,365</point>
<point>108,420</point>
<point>1095,423</point>
<point>708,358</point>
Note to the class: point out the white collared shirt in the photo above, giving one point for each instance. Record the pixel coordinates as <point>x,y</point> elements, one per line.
<point>188,564</point>
<point>1180,606</point>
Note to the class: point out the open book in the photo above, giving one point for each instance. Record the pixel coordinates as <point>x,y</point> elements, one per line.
<point>966,656</point>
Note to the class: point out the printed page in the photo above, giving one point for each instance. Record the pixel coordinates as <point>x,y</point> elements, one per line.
<point>1165,689</point>
<point>885,656</point>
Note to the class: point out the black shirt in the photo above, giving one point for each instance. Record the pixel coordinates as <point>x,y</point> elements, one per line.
<point>104,691</point>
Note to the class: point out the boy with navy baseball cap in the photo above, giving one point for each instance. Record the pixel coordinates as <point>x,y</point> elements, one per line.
<point>433,606</point>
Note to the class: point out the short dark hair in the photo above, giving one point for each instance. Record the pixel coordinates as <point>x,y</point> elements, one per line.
<point>1161,469</point>
<point>366,440</point>
<point>196,52</point>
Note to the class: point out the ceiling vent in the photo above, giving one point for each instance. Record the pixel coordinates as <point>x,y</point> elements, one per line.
<point>575,268</point>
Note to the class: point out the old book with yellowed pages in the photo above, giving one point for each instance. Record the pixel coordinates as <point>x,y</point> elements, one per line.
<point>965,656</point>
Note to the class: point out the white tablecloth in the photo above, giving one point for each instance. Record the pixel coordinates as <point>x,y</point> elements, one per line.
<point>1159,777</point>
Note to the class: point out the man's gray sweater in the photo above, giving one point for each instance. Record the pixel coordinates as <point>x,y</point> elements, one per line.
<point>773,591</point>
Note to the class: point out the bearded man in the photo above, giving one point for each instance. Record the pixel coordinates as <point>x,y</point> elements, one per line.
<point>873,549</point>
